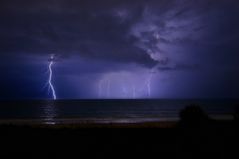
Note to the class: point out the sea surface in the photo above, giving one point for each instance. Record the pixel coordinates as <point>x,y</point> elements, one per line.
<point>109,111</point>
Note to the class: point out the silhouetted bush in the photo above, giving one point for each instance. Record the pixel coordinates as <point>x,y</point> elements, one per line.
<point>236,115</point>
<point>193,116</point>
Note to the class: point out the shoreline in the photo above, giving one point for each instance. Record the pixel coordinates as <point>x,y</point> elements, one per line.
<point>70,124</point>
<point>76,123</point>
<point>111,120</point>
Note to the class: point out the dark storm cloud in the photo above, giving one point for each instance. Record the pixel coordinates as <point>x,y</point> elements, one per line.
<point>69,27</point>
<point>193,43</point>
<point>142,32</point>
<point>178,67</point>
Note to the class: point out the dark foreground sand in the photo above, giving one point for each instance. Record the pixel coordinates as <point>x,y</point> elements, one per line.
<point>153,139</point>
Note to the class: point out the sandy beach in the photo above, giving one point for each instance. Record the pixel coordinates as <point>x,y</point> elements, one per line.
<point>101,140</point>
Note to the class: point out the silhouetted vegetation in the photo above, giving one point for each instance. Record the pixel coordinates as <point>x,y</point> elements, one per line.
<point>236,115</point>
<point>193,116</point>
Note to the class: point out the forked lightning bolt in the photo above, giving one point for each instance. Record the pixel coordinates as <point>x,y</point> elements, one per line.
<point>149,84</point>
<point>50,77</point>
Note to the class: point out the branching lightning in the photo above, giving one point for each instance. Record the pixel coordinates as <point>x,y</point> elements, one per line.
<point>149,80</point>
<point>108,88</point>
<point>134,91</point>
<point>149,85</point>
<point>100,88</point>
<point>104,88</point>
<point>50,77</point>
<point>126,85</point>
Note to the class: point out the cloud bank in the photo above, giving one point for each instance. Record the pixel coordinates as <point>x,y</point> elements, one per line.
<point>146,32</point>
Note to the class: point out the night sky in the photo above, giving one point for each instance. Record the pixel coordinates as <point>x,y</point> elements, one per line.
<point>119,49</point>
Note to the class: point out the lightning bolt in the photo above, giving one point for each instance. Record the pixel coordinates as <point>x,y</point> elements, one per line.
<point>100,88</point>
<point>50,77</point>
<point>124,91</point>
<point>104,88</point>
<point>148,82</point>
<point>149,85</point>
<point>108,88</point>
<point>134,91</point>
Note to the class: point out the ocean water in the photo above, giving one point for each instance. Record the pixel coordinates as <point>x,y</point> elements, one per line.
<point>109,111</point>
